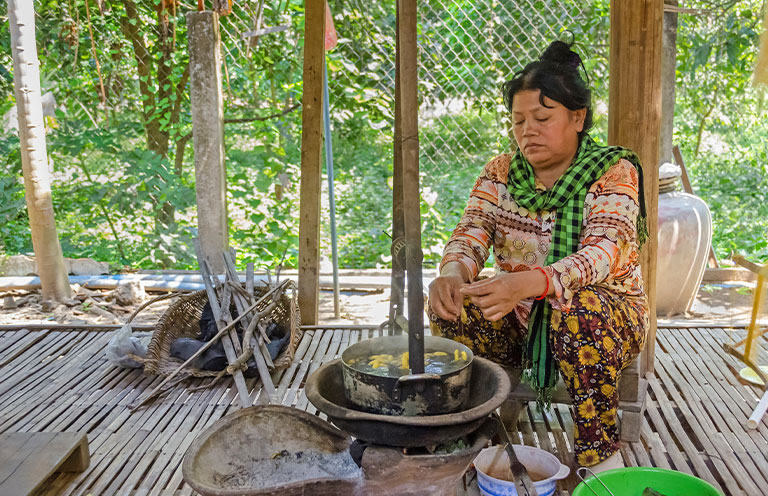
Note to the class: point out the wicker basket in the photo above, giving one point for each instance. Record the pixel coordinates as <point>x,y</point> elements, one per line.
<point>181,320</point>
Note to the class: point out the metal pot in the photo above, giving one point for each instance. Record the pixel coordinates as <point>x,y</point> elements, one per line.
<point>411,394</point>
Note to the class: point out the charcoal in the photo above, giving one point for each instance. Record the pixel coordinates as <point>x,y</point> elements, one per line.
<point>277,345</point>
<point>214,358</point>
<point>183,348</point>
<point>208,327</point>
<point>279,337</point>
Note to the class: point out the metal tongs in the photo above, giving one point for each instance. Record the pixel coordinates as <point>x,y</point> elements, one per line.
<point>584,470</point>
<point>523,482</point>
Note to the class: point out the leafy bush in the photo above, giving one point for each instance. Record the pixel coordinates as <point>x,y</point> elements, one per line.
<point>117,199</point>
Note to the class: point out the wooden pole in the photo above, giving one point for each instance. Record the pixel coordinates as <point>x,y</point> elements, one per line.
<point>634,116</point>
<point>668,82</point>
<point>409,144</point>
<point>311,160</point>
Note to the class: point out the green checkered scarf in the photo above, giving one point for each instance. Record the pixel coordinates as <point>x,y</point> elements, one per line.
<point>567,198</point>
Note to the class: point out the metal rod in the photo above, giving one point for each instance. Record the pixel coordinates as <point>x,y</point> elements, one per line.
<point>331,198</point>
<point>397,284</point>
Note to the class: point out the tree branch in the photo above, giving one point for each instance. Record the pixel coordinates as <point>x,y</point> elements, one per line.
<point>102,93</point>
<point>181,145</point>
<point>703,122</point>
<point>264,118</point>
<point>181,141</point>
<point>164,72</point>
<point>130,27</point>
<point>180,87</point>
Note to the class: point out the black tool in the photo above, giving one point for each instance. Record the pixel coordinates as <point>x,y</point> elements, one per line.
<point>523,482</point>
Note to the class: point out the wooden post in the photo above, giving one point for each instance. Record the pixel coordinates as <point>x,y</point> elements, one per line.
<point>668,81</point>
<point>634,116</point>
<point>408,75</point>
<point>311,160</point>
<point>208,135</point>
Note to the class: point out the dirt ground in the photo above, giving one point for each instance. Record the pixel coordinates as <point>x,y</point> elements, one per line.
<point>723,304</point>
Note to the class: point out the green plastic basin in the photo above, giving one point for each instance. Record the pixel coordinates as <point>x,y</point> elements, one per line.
<point>632,481</point>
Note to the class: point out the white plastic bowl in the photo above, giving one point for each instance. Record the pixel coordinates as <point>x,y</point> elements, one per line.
<point>537,461</point>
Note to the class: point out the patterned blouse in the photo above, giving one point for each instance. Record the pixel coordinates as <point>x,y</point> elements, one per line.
<point>607,256</point>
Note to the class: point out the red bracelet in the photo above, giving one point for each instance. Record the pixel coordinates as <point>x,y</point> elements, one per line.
<point>546,291</point>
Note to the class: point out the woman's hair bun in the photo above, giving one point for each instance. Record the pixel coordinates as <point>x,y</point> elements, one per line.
<point>560,52</point>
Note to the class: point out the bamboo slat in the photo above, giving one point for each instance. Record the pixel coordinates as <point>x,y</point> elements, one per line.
<point>60,380</point>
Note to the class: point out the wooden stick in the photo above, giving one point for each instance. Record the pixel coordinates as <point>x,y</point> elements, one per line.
<point>397,285</point>
<point>230,268</point>
<point>407,73</point>
<point>202,349</point>
<point>238,288</point>
<point>747,361</point>
<point>249,278</point>
<point>221,317</point>
<point>760,270</point>
<point>150,302</point>
<point>262,363</point>
<point>689,189</point>
<point>90,305</point>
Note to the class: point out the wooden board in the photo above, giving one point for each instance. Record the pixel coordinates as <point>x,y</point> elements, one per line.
<point>27,459</point>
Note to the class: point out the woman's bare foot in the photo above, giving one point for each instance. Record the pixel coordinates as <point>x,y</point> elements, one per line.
<point>613,461</point>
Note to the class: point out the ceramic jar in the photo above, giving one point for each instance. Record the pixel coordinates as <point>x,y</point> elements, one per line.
<point>684,235</point>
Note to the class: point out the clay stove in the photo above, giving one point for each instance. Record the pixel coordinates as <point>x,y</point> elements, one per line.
<point>266,450</point>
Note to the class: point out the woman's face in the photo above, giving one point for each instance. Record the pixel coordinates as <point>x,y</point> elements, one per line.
<point>548,136</point>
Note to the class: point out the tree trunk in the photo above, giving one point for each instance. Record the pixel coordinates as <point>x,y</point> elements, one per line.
<point>157,136</point>
<point>34,158</point>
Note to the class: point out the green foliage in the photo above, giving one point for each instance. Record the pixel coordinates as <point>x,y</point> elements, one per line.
<point>110,187</point>
<point>14,223</point>
<point>734,185</point>
<point>720,123</point>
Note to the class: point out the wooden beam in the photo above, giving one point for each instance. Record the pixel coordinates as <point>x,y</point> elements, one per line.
<point>634,116</point>
<point>311,160</point>
<point>408,74</point>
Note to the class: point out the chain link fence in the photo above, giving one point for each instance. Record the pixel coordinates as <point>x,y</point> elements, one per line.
<point>467,49</point>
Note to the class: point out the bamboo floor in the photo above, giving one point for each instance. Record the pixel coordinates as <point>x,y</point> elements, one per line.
<point>58,379</point>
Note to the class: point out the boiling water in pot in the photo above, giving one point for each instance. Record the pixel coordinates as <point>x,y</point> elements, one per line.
<point>386,365</point>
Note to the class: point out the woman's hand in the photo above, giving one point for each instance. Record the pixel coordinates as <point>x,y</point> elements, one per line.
<point>445,297</point>
<point>500,294</point>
